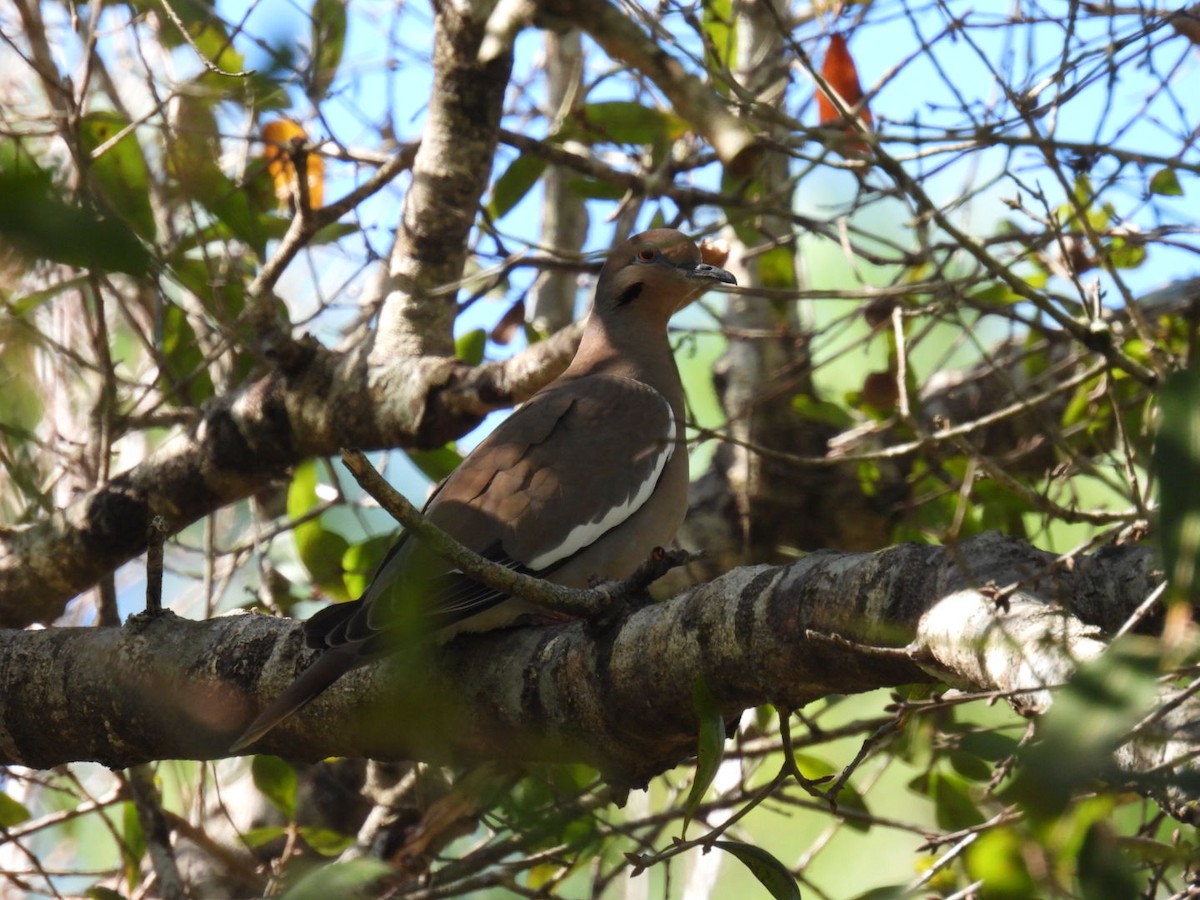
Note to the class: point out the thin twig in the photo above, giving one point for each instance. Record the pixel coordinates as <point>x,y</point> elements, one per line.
<point>187,36</point>
<point>156,534</point>
<point>156,831</point>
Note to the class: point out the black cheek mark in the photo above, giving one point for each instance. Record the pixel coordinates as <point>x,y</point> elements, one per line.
<point>630,294</point>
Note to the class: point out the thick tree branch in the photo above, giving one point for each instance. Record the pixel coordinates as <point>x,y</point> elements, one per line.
<point>450,173</point>
<point>321,402</point>
<point>617,697</point>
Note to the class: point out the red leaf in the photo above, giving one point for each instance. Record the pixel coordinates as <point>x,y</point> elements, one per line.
<point>839,70</point>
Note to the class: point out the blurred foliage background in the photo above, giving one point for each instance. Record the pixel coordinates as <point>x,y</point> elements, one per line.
<point>975,232</point>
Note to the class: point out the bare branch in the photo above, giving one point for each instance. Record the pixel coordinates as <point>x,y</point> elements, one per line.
<point>617,698</point>
<point>450,174</point>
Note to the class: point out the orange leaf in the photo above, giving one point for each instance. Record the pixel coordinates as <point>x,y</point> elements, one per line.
<point>279,138</point>
<point>839,70</point>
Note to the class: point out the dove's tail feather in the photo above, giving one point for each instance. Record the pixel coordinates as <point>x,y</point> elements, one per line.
<point>325,670</point>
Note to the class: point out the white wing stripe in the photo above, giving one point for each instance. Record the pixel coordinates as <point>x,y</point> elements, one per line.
<point>588,533</point>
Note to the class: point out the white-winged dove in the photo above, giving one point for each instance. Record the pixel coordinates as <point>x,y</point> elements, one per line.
<point>581,482</point>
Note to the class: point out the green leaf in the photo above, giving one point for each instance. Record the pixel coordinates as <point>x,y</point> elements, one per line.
<point>1176,460</point>
<point>777,267</point>
<point>771,873</point>
<point>628,122</point>
<point>320,550</point>
<point>850,798</point>
<point>1078,406</point>
<point>323,558</point>
<point>27,303</point>
<point>1091,716</point>
<point>277,781</point>
<point>470,345</point>
<point>186,380</point>
<point>35,222</point>
<point>219,285</point>
<point>253,227</point>
<point>20,385</point>
<point>1165,183</point>
<point>988,745</point>
<point>710,747</point>
<point>1124,254</point>
<point>326,841</point>
<point>438,463</point>
<point>231,205</point>
<point>11,812</point>
<point>997,294</point>
<point>869,477</point>
<point>245,210</point>
<point>99,892</point>
<point>952,802</point>
<point>194,147</point>
<point>535,807</point>
<point>328,43</point>
<point>543,875</point>
<point>120,172</point>
<point>823,411</point>
<point>595,189</point>
<point>887,892</point>
<point>1104,873</point>
<point>1102,218</point>
<point>720,35</point>
<point>133,844</point>
<point>264,91</point>
<point>1083,192</point>
<point>259,187</point>
<point>205,28</point>
<point>332,232</point>
<point>997,860</point>
<point>517,181</point>
<point>361,560</point>
<point>814,768</point>
<point>258,837</point>
<point>356,878</point>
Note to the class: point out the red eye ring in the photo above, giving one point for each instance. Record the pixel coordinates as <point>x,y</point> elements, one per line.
<point>648,254</point>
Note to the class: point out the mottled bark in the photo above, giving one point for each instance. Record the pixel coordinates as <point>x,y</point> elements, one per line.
<point>617,696</point>
<point>452,169</point>
<point>323,401</point>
